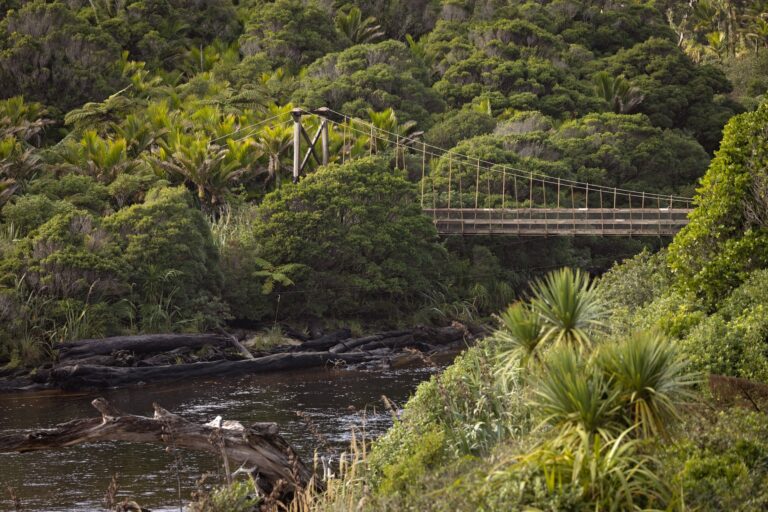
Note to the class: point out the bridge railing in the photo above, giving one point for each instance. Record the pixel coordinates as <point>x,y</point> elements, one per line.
<point>559,221</point>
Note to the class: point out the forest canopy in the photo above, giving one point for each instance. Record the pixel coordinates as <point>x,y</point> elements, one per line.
<point>145,150</point>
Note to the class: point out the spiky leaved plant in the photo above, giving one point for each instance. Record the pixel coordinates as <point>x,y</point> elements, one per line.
<point>569,307</point>
<point>575,397</point>
<point>519,332</point>
<point>652,380</point>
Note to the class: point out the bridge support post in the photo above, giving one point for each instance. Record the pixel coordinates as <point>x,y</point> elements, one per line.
<point>324,135</point>
<point>296,113</point>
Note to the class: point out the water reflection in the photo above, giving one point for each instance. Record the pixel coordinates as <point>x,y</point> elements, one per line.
<point>75,479</point>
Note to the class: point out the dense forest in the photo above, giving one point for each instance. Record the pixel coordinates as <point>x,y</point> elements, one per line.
<point>145,186</point>
<point>146,147</point>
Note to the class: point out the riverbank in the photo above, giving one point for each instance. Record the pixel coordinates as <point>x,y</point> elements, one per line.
<point>146,359</point>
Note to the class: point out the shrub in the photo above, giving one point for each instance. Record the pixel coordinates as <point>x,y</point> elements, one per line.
<point>650,377</point>
<point>727,236</point>
<point>174,267</point>
<point>365,246</point>
<point>720,462</point>
<point>240,496</point>
<point>569,307</point>
<point>471,406</point>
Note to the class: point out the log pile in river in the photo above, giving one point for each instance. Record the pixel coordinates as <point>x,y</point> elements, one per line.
<point>258,448</point>
<point>127,360</point>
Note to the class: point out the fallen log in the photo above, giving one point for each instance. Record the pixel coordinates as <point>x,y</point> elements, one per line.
<point>398,342</point>
<point>440,335</point>
<point>259,447</point>
<point>324,342</point>
<point>350,344</point>
<point>83,376</point>
<point>140,344</point>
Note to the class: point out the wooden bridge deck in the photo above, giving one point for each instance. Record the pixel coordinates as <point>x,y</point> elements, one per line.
<point>559,221</point>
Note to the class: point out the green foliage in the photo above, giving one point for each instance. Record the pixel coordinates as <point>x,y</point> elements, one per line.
<point>359,233</point>
<point>619,93</point>
<point>290,33</point>
<point>51,55</point>
<point>22,120</point>
<point>749,76</point>
<point>412,463</point>
<point>208,168</point>
<point>461,125</point>
<point>569,307</point>
<point>56,281</point>
<point>467,410</point>
<point>636,281</point>
<point>350,22</point>
<point>720,461</point>
<point>726,236</point>
<point>31,211</point>
<point>240,496</point>
<point>677,93</point>
<point>650,378</point>
<point>520,328</point>
<point>401,17</point>
<point>732,340</point>
<point>606,149</point>
<point>607,474</point>
<point>168,248</point>
<point>376,76</point>
<point>81,191</point>
<point>127,100</point>
<point>577,398</point>
<point>588,453</point>
<point>720,32</point>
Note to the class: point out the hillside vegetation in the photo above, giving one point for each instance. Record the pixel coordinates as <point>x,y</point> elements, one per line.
<point>145,152</point>
<point>145,148</point>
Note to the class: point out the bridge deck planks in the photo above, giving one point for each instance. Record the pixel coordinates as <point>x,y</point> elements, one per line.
<point>559,221</point>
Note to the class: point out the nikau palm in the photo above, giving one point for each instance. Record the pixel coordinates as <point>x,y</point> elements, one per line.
<point>274,141</point>
<point>618,92</point>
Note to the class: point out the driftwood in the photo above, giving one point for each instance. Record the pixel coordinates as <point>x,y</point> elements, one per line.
<point>258,448</point>
<point>324,342</point>
<point>420,337</point>
<point>141,344</point>
<point>127,360</point>
<point>81,376</point>
<point>350,344</point>
<point>239,346</point>
<point>440,335</point>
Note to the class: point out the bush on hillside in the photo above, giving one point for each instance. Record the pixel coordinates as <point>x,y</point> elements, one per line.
<point>358,231</point>
<point>727,236</point>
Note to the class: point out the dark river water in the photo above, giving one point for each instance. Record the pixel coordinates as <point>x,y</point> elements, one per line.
<point>76,479</point>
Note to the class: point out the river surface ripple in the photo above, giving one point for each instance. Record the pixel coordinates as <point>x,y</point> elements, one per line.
<point>76,479</point>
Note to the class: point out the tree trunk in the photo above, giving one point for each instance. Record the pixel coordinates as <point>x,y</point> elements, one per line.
<point>84,376</point>
<point>259,447</point>
<point>141,344</point>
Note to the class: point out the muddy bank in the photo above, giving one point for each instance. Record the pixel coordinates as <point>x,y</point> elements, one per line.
<point>145,359</point>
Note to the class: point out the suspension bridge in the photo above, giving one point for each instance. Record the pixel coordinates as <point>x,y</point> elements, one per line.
<point>466,195</point>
